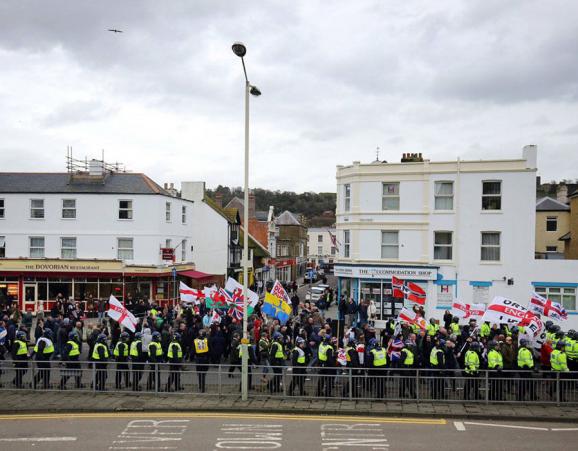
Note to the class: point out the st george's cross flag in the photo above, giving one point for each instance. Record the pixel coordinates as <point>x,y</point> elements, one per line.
<point>409,316</point>
<point>532,323</point>
<point>546,307</point>
<point>120,314</point>
<point>504,311</point>
<point>190,295</point>
<point>467,311</point>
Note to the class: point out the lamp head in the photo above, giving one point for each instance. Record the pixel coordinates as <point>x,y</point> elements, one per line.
<point>255,91</point>
<point>239,49</point>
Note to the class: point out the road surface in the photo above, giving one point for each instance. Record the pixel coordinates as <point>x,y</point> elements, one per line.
<point>216,431</point>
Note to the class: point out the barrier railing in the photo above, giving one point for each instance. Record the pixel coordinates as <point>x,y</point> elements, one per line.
<point>391,384</point>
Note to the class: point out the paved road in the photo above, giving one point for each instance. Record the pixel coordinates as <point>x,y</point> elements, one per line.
<point>215,431</point>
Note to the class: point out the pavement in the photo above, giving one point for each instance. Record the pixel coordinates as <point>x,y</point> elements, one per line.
<point>205,431</point>
<point>15,402</point>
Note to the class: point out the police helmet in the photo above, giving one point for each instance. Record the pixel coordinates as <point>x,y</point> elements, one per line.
<point>559,335</point>
<point>408,343</point>
<point>202,333</point>
<point>72,336</point>
<point>475,346</point>
<point>176,336</point>
<point>372,343</point>
<point>442,342</point>
<point>523,342</point>
<point>101,338</point>
<point>549,324</point>
<point>138,335</point>
<point>277,336</point>
<point>21,335</point>
<point>48,333</point>
<point>555,328</point>
<point>492,344</point>
<point>124,336</point>
<point>156,336</point>
<point>299,341</point>
<point>455,319</point>
<point>327,338</point>
<point>560,344</point>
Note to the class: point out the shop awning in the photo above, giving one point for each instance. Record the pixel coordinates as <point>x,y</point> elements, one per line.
<point>196,275</point>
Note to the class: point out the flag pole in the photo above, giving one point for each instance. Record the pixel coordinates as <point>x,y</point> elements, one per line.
<point>471,335</point>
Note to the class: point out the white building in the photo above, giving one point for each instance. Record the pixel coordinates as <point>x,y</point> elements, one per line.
<point>319,246</point>
<point>460,229</point>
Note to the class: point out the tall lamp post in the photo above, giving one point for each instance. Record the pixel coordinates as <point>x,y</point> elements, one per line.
<point>240,50</point>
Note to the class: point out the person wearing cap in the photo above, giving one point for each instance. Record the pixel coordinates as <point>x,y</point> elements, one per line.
<point>277,359</point>
<point>100,356</point>
<point>120,353</point>
<point>175,358</point>
<point>572,350</point>
<point>299,361</point>
<point>138,359</point>
<point>43,352</point>
<point>325,357</point>
<point>201,353</point>
<point>20,358</point>
<point>155,359</point>
<point>472,370</point>
<point>437,363</point>
<point>71,356</point>
<point>525,368</point>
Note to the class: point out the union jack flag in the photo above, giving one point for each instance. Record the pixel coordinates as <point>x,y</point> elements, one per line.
<point>236,307</point>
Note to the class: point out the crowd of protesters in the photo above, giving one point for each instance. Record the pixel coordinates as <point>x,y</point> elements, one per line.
<point>310,343</point>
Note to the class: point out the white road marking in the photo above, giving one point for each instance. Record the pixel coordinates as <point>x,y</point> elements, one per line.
<point>459,426</point>
<point>564,429</point>
<point>507,426</point>
<point>39,439</point>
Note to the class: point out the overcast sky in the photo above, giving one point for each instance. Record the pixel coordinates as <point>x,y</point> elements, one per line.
<point>476,79</point>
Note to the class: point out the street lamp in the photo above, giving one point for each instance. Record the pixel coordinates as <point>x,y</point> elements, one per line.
<point>240,50</point>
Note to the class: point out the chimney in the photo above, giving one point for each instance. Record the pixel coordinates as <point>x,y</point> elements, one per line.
<point>219,199</point>
<point>251,205</point>
<point>166,186</point>
<point>172,186</point>
<point>562,193</point>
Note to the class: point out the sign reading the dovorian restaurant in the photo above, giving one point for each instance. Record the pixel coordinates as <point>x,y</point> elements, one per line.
<point>386,272</point>
<point>60,265</point>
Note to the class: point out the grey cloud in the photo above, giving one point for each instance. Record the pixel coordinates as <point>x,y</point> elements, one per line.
<point>75,112</point>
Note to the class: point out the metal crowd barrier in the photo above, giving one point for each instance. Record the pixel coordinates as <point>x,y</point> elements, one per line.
<point>390,384</point>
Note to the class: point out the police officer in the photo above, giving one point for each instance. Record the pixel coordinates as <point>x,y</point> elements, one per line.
<point>485,330</point>
<point>20,358</point>
<point>100,357</point>
<point>572,350</point>
<point>120,353</point>
<point>138,359</point>
<point>353,367</point>
<point>263,348</point>
<point>455,326</point>
<point>495,367</point>
<point>525,368</point>
<point>299,361</point>
<point>325,356</point>
<point>377,361</point>
<point>472,370</point>
<point>155,358</point>
<point>432,328</point>
<point>71,357</point>
<point>559,363</point>
<point>408,374</point>
<point>175,358</point>
<point>201,355</point>
<point>277,359</point>
<point>43,352</point>
<point>437,362</point>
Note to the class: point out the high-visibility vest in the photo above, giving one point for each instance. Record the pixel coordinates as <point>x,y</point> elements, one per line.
<point>154,312</point>
<point>472,362</point>
<point>22,347</point>
<point>525,358</point>
<point>117,350</point>
<point>170,353</point>
<point>379,357</point>
<point>433,357</point>
<point>48,349</point>
<point>455,328</point>
<point>409,358</point>
<point>134,349</point>
<point>322,352</point>
<point>301,356</point>
<point>558,361</point>
<point>279,352</point>
<point>347,356</point>
<point>155,349</point>
<point>263,345</point>
<point>74,348</point>
<point>485,330</point>
<point>432,329</point>
<point>201,345</point>
<point>415,328</point>
<point>495,359</point>
<point>95,353</point>
<point>572,350</point>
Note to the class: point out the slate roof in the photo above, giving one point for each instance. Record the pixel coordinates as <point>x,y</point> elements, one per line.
<point>63,182</point>
<point>287,218</point>
<point>549,204</point>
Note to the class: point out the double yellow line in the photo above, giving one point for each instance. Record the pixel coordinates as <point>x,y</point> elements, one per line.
<point>217,415</point>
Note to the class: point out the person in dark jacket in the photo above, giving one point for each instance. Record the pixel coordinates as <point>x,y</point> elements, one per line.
<point>201,352</point>
<point>71,357</point>
<point>138,358</point>
<point>175,358</point>
<point>100,357</point>
<point>155,358</point>
<point>216,345</point>
<point>121,352</point>
<point>299,362</point>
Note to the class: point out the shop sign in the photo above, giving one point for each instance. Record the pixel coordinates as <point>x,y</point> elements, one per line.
<point>386,272</point>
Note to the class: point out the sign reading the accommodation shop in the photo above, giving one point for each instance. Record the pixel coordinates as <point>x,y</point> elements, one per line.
<point>386,272</point>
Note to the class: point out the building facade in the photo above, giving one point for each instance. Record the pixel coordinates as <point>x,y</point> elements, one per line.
<point>459,229</point>
<point>552,222</point>
<point>291,247</point>
<point>320,248</point>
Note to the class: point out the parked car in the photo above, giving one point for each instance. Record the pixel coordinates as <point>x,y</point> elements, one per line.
<point>314,294</point>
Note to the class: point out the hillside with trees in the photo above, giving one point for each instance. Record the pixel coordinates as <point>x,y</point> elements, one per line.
<point>317,208</point>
